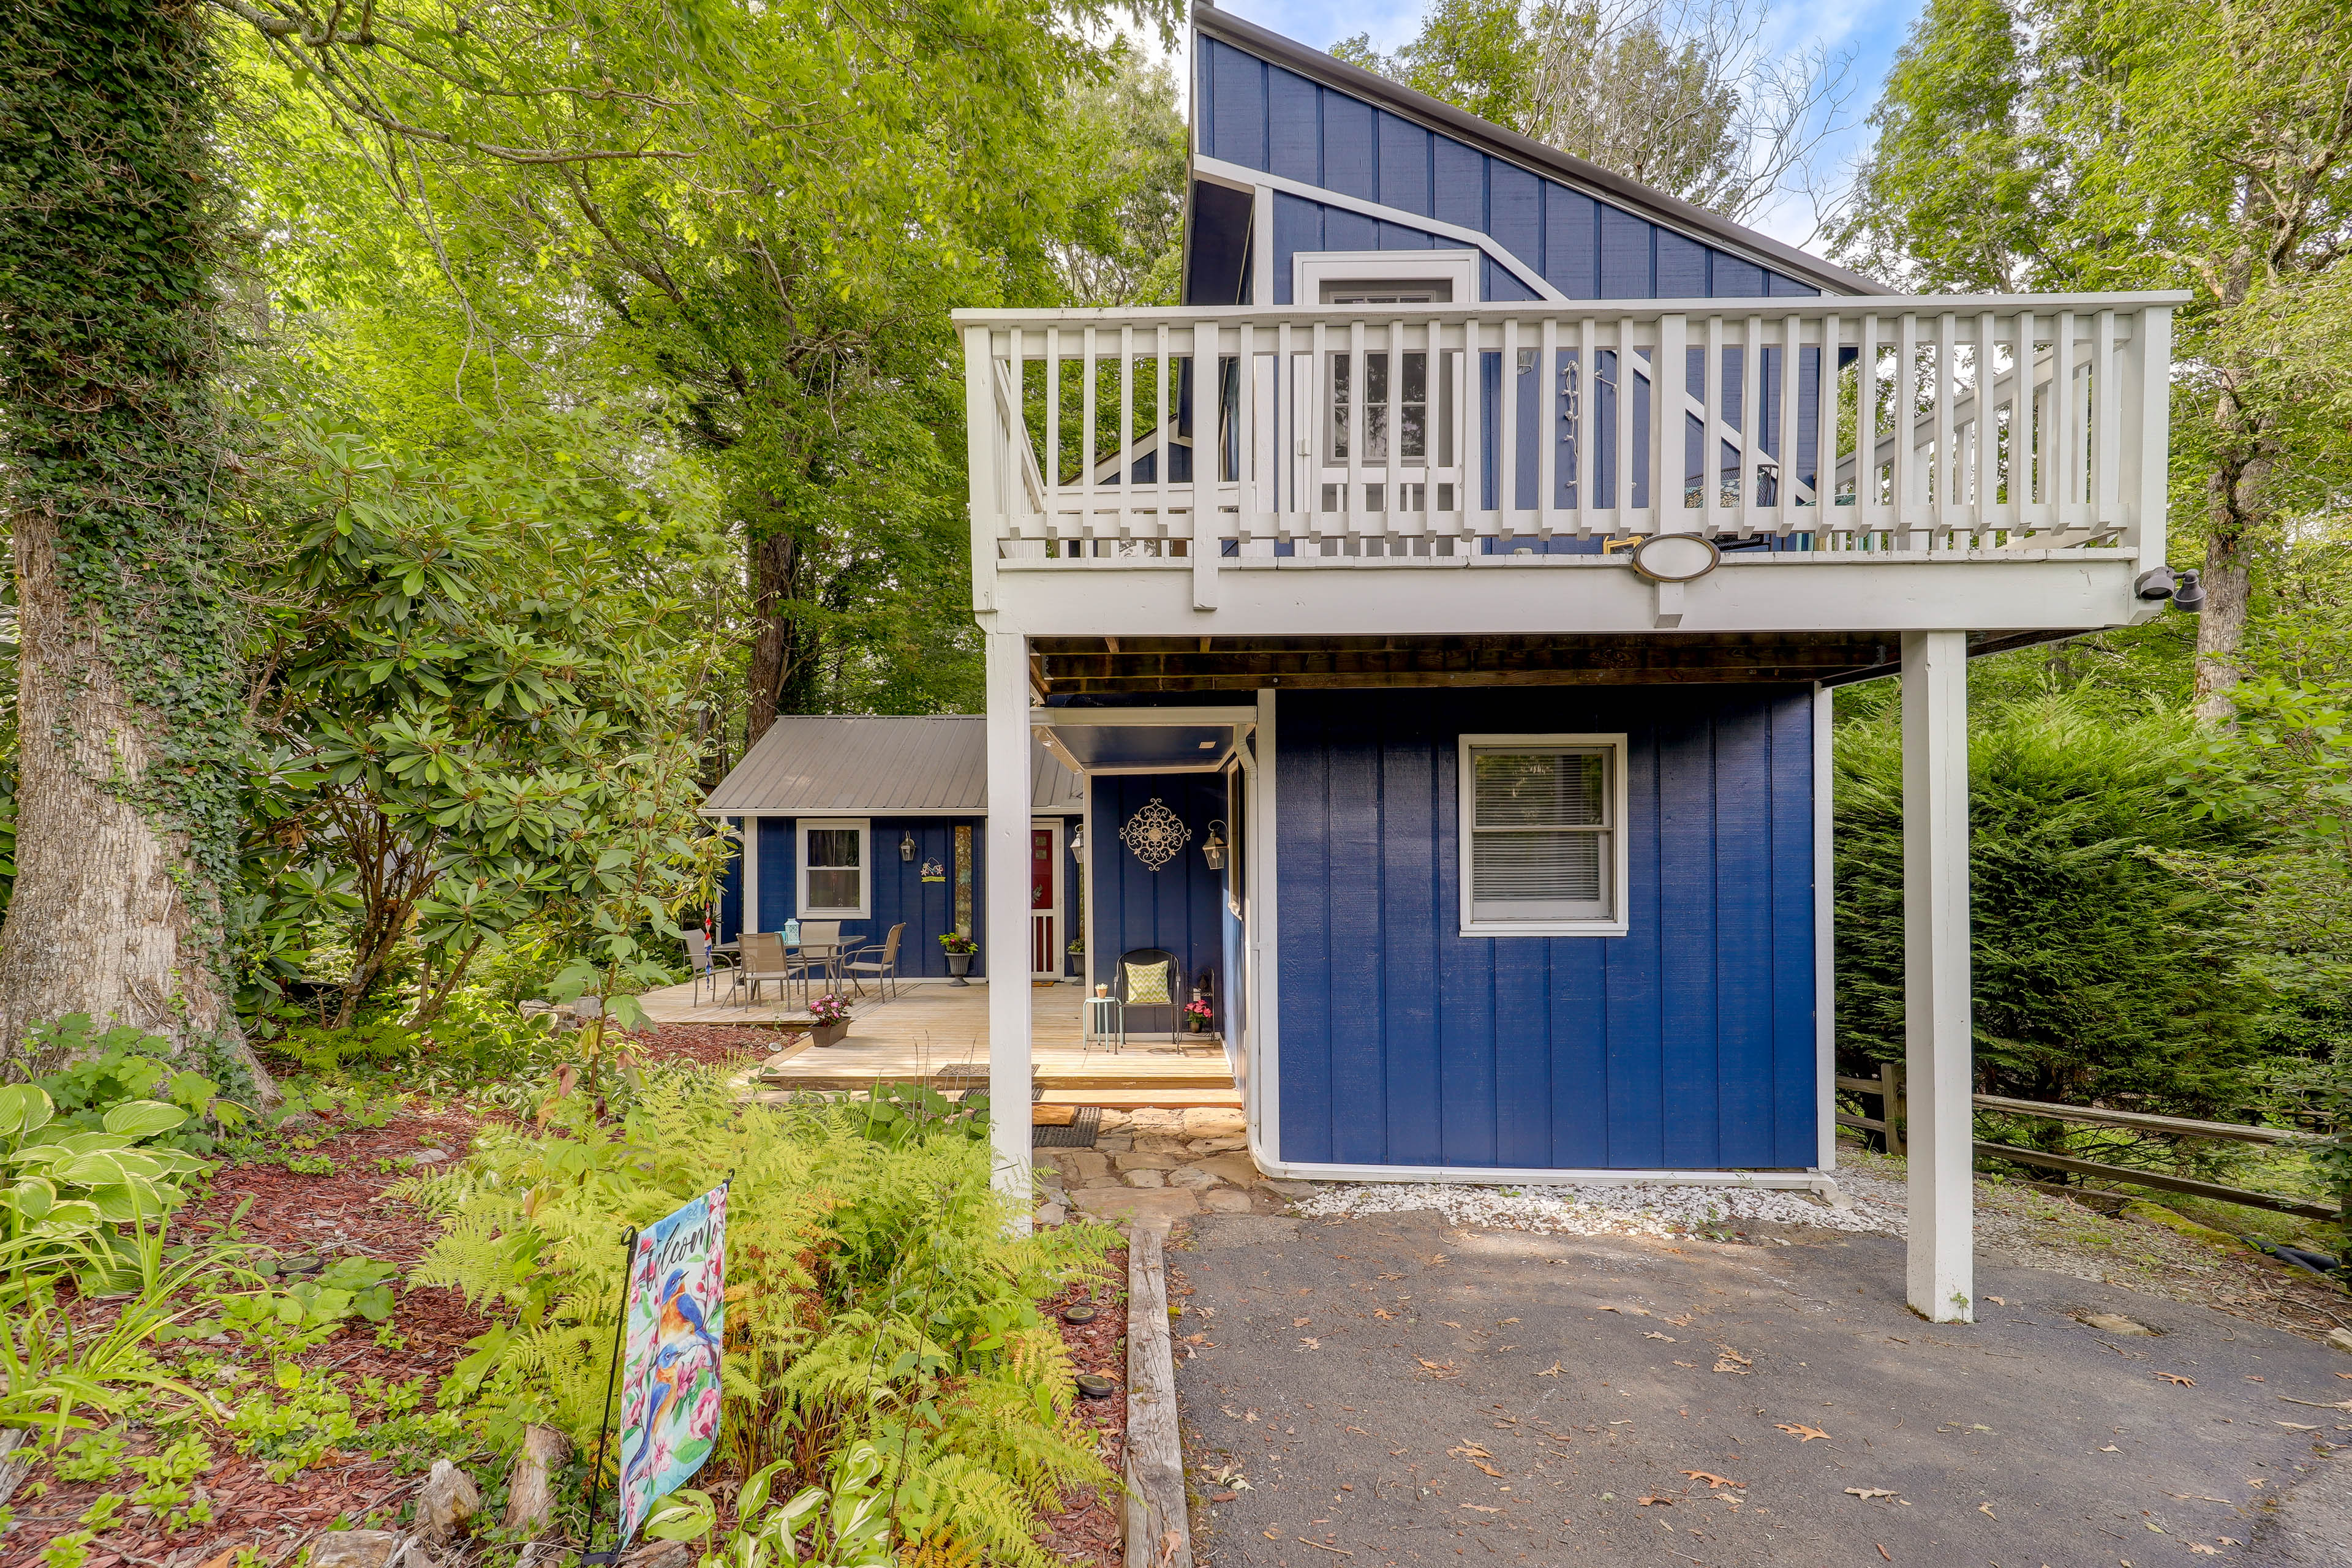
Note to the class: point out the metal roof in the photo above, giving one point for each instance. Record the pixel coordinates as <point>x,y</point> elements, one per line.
<point>1512,147</point>
<point>928,765</point>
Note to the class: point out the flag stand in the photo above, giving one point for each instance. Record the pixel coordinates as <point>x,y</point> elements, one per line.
<point>603,1430</point>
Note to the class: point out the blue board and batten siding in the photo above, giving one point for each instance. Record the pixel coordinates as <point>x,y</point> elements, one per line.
<point>898,890</point>
<point>1180,907</point>
<point>1687,1044</point>
<point>1255,113</point>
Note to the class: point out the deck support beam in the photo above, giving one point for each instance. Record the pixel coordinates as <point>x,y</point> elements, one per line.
<point>1004,927</point>
<point>1942,1275</point>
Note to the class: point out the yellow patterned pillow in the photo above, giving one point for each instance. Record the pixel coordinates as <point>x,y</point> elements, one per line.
<point>1147,985</point>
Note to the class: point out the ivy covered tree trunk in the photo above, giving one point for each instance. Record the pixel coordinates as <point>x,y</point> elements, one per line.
<point>132,716</point>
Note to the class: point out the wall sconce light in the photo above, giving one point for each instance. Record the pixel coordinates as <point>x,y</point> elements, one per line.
<point>907,848</point>
<point>1213,850</point>
<point>1078,841</point>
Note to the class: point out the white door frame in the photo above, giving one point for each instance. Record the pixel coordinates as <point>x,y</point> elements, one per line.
<point>1059,914</point>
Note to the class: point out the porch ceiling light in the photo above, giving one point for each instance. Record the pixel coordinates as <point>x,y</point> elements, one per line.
<point>1213,849</point>
<point>1676,557</point>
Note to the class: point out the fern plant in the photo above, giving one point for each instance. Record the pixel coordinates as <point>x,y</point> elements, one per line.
<point>876,1303</point>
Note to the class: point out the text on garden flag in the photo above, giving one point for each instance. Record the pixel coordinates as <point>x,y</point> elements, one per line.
<point>671,1336</point>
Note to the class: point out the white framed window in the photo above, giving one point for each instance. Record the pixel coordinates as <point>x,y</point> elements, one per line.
<point>836,870</point>
<point>1543,844</point>
<point>1384,277</point>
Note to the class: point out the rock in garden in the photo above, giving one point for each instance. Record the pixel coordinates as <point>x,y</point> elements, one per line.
<point>531,1491</point>
<point>1152,1162</point>
<point>1225,1200</point>
<point>1206,1120</point>
<point>2114,1323</point>
<point>1146,1177</point>
<point>425,1157</point>
<point>1223,1143</point>
<point>1155,1208</point>
<point>1084,1165</point>
<point>1233,1170</point>
<point>354,1548</point>
<point>1193,1176</point>
<point>445,1502</point>
<point>1052,1214</point>
<point>660,1554</point>
<point>1291,1192</point>
<point>2340,1338</point>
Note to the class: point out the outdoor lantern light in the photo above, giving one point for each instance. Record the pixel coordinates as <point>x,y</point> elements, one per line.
<point>907,848</point>
<point>1078,841</point>
<point>1213,850</point>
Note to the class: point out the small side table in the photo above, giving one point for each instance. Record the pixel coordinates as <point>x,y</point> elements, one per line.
<point>1106,1020</point>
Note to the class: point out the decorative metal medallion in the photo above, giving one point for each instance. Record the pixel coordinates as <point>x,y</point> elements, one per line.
<point>1155,835</point>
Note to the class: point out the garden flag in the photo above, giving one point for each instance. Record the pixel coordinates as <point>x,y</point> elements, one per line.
<point>670,1335</point>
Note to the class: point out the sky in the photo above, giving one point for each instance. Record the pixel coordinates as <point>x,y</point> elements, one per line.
<point>1874,29</point>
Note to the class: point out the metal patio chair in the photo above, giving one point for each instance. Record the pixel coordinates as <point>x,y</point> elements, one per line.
<point>763,960</point>
<point>706,965</point>
<point>1151,983</point>
<point>885,968</point>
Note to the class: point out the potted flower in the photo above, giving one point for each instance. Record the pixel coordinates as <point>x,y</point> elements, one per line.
<point>830,1013</point>
<point>959,949</point>
<point>1197,1014</point>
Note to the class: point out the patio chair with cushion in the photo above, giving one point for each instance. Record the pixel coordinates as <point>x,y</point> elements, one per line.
<point>709,966</point>
<point>1147,984</point>
<point>882,964</point>
<point>763,960</point>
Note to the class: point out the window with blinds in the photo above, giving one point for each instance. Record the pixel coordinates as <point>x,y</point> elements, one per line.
<point>833,871</point>
<point>1541,852</point>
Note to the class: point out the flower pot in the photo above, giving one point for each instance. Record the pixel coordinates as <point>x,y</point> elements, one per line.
<point>960,965</point>
<point>829,1034</point>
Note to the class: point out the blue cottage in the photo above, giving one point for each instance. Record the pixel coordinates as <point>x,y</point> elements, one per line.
<point>1443,606</point>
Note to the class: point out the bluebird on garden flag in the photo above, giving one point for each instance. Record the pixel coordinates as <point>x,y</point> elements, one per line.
<point>671,1333</point>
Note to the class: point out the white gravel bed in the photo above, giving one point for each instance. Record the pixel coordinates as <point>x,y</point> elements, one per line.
<point>1604,1210</point>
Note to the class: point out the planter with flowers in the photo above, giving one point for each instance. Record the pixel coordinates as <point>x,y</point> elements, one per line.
<point>830,1016</point>
<point>959,949</point>
<point>1198,1015</point>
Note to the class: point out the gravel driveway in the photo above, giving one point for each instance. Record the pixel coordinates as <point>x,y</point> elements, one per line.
<point>1395,1389</point>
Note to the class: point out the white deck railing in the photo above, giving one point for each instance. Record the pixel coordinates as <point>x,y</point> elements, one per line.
<point>2012,421</point>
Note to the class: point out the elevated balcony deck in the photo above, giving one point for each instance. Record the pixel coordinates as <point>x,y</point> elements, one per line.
<point>1453,469</point>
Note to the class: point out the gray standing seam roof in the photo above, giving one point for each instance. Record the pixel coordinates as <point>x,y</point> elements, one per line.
<point>937,764</point>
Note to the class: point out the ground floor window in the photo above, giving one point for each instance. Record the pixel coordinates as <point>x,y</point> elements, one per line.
<point>1542,839</point>
<point>835,881</point>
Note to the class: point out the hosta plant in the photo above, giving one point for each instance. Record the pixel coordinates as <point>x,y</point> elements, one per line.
<point>64,1187</point>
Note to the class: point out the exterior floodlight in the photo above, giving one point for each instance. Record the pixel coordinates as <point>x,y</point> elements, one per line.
<point>2156,582</point>
<point>2190,595</point>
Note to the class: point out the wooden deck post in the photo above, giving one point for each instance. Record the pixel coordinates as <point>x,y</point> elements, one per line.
<point>1005,931</point>
<point>1941,1274</point>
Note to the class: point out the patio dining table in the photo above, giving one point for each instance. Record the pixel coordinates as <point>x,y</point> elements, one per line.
<point>830,954</point>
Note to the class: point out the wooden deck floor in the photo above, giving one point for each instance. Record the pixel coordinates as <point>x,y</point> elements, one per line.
<point>933,1029</point>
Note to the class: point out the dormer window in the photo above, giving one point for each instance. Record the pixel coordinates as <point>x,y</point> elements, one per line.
<point>1376,278</point>
<point>1372,291</point>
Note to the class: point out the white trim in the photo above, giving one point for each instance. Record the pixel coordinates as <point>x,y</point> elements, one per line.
<point>1136,718</point>
<point>1824,924</point>
<point>1619,920</point>
<point>1262,244</point>
<point>751,842</point>
<point>1002,911</point>
<point>1235,174</point>
<point>1311,270</point>
<point>1262,1082</point>
<point>1940,1252</point>
<point>801,907</point>
<point>1505,1176</point>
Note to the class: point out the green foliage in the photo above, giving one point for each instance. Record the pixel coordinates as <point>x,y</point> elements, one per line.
<point>874,1299</point>
<point>68,1191</point>
<point>2097,973</point>
<point>52,1369</point>
<point>111,253</point>
<point>109,1066</point>
<point>292,1432</point>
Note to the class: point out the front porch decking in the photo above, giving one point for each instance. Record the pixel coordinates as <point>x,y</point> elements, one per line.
<point>933,1026</point>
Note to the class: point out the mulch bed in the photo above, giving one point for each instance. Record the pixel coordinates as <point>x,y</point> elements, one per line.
<point>1087,1531</point>
<point>328,1214</point>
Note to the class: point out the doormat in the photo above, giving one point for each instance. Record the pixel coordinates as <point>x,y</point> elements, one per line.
<point>1078,1134</point>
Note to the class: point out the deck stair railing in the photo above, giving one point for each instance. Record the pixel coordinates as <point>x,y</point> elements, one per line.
<point>1888,1090</point>
<point>1839,424</point>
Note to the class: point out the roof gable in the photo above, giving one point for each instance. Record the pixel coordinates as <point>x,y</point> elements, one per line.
<point>1267,104</point>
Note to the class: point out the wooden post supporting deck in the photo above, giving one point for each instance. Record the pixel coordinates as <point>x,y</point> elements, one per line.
<point>1006,930</point>
<point>1942,1271</point>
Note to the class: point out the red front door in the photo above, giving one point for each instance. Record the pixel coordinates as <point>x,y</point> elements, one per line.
<point>1043,869</point>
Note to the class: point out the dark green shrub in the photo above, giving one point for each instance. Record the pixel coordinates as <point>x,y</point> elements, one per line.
<point>2098,973</point>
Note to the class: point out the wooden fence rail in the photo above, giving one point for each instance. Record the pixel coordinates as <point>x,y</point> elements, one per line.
<point>1888,1089</point>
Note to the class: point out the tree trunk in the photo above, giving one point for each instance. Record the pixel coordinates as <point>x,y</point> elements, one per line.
<point>132,719</point>
<point>2234,519</point>
<point>775,561</point>
<point>98,923</point>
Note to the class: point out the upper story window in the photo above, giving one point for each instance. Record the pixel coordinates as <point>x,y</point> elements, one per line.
<point>836,876</point>
<point>1543,846</point>
<point>1362,291</point>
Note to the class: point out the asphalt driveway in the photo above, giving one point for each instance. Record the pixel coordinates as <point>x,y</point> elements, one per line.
<point>1394,1390</point>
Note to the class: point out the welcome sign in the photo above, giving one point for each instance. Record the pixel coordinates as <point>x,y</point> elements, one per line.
<point>672,1329</point>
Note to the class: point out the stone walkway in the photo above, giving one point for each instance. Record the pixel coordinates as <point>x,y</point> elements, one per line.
<point>1159,1166</point>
